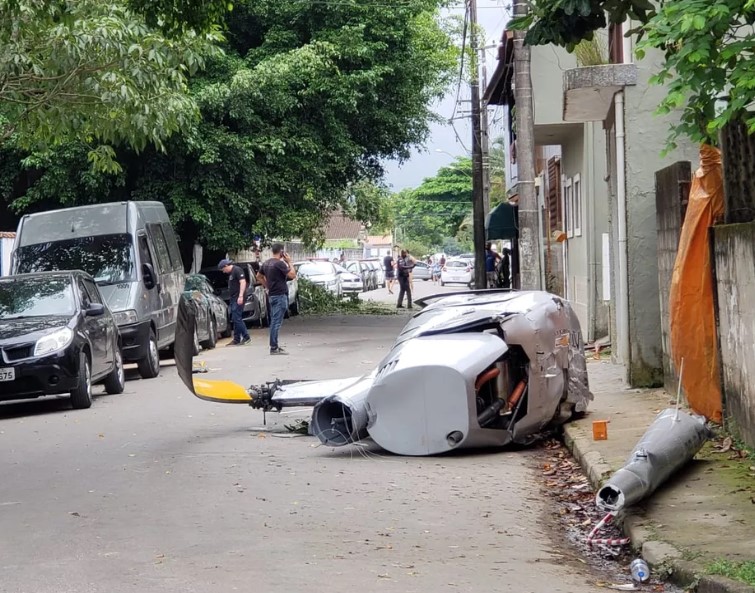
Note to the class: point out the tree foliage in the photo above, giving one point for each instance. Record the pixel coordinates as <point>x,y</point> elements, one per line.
<point>305,102</point>
<point>93,71</point>
<point>708,65</point>
<point>434,212</point>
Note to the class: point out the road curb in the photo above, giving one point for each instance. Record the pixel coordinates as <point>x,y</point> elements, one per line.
<point>661,556</point>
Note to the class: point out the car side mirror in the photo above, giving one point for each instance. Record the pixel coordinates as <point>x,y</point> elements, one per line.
<point>95,310</point>
<point>148,273</point>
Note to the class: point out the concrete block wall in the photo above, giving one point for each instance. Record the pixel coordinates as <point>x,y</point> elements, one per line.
<point>734,256</point>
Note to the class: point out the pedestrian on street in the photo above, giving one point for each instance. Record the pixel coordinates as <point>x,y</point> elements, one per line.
<point>237,294</point>
<point>274,275</point>
<point>491,261</point>
<point>404,268</point>
<point>390,275</point>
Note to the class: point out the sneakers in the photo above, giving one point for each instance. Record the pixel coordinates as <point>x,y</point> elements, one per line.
<point>245,341</point>
<point>278,350</point>
<point>233,343</point>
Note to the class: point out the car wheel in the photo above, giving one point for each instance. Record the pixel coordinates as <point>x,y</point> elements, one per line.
<point>294,308</point>
<point>81,397</point>
<point>149,366</point>
<point>212,336</point>
<point>442,283</point>
<point>116,380</point>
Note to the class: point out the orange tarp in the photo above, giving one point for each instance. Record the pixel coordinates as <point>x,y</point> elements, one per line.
<point>693,324</point>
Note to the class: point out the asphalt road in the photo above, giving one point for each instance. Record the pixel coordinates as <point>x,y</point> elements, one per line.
<point>156,491</point>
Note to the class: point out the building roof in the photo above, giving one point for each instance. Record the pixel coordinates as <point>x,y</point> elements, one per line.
<point>342,227</point>
<point>498,91</point>
<point>376,240</point>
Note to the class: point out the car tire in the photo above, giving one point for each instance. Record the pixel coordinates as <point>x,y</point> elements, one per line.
<point>442,283</point>
<point>294,308</point>
<point>81,397</point>
<point>212,335</point>
<point>149,366</point>
<point>115,382</point>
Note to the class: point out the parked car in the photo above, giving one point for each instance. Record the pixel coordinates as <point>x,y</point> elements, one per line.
<point>57,336</point>
<point>255,300</point>
<point>211,311</point>
<point>322,273</point>
<point>422,271</point>
<point>457,271</point>
<point>130,250</point>
<point>377,268</point>
<point>365,271</point>
<point>350,283</point>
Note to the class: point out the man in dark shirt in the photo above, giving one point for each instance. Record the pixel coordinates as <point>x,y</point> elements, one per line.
<point>274,275</point>
<point>404,268</point>
<point>237,293</point>
<point>389,273</point>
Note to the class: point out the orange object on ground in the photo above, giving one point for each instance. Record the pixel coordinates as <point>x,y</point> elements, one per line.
<point>600,430</point>
<point>693,324</point>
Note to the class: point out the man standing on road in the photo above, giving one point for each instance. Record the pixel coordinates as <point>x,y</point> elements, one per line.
<point>404,269</point>
<point>274,275</point>
<point>236,292</point>
<point>389,273</point>
<point>491,261</point>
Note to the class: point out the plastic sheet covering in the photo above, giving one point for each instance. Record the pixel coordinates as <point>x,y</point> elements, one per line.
<point>183,348</point>
<point>693,325</point>
<point>672,440</point>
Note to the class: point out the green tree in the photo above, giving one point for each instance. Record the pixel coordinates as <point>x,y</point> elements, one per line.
<point>708,65</point>
<point>94,71</point>
<point>434,212</point>
<point>305,102</point>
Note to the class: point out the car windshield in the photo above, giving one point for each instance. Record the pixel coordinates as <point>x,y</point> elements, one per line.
<point>36,297</point>
<point>456,264</point>
<point>195,283</point>
<point>315,268</point>
<point>109,259</point>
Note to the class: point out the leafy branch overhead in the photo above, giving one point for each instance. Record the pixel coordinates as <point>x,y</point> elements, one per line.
<point>707,50</point>
<point>93,71</point>
<point>295,116</point>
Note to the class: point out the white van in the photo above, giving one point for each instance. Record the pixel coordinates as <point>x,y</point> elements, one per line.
<point>131,251</point>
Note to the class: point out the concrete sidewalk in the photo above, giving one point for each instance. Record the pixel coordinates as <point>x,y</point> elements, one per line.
<point>704,513</point>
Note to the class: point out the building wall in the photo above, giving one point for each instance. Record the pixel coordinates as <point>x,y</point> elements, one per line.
<point>6,247</point>
<point>646,136</point>
<point>734,253</point>
<point>548,65</point>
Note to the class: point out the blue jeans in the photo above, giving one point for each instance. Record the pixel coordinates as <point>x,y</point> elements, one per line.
<point>239,329</point>
<point>278,306</point>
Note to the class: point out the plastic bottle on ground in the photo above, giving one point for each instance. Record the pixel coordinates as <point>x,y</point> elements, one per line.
<point>640,570</point>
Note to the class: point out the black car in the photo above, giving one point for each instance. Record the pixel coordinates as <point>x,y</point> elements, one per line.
<point>57,336</point>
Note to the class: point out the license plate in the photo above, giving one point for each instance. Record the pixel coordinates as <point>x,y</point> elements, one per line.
<point>8,374</point>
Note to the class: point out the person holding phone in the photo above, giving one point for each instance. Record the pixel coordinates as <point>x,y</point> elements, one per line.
<point>274,275</point>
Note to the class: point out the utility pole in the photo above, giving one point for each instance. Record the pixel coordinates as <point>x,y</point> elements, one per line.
<point>485,141</point>
<point>529,232</point>
<point>478,203</point>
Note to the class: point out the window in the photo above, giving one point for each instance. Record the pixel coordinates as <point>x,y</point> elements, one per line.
<point>577,205</point>
<point>161,247</point>
<point>109,259</point>
<point>175,254</point>
<point>567,210</point>
<point>85,300</point>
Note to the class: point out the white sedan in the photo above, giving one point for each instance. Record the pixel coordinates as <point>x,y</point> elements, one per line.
<point>457,271</point>
<point>350,283</point>
<point>322,273</point>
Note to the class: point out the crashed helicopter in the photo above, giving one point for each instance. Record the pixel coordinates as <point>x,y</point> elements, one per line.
<point>471,369</point>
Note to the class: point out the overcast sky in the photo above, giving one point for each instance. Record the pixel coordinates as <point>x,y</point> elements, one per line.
<point>425,162</point>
